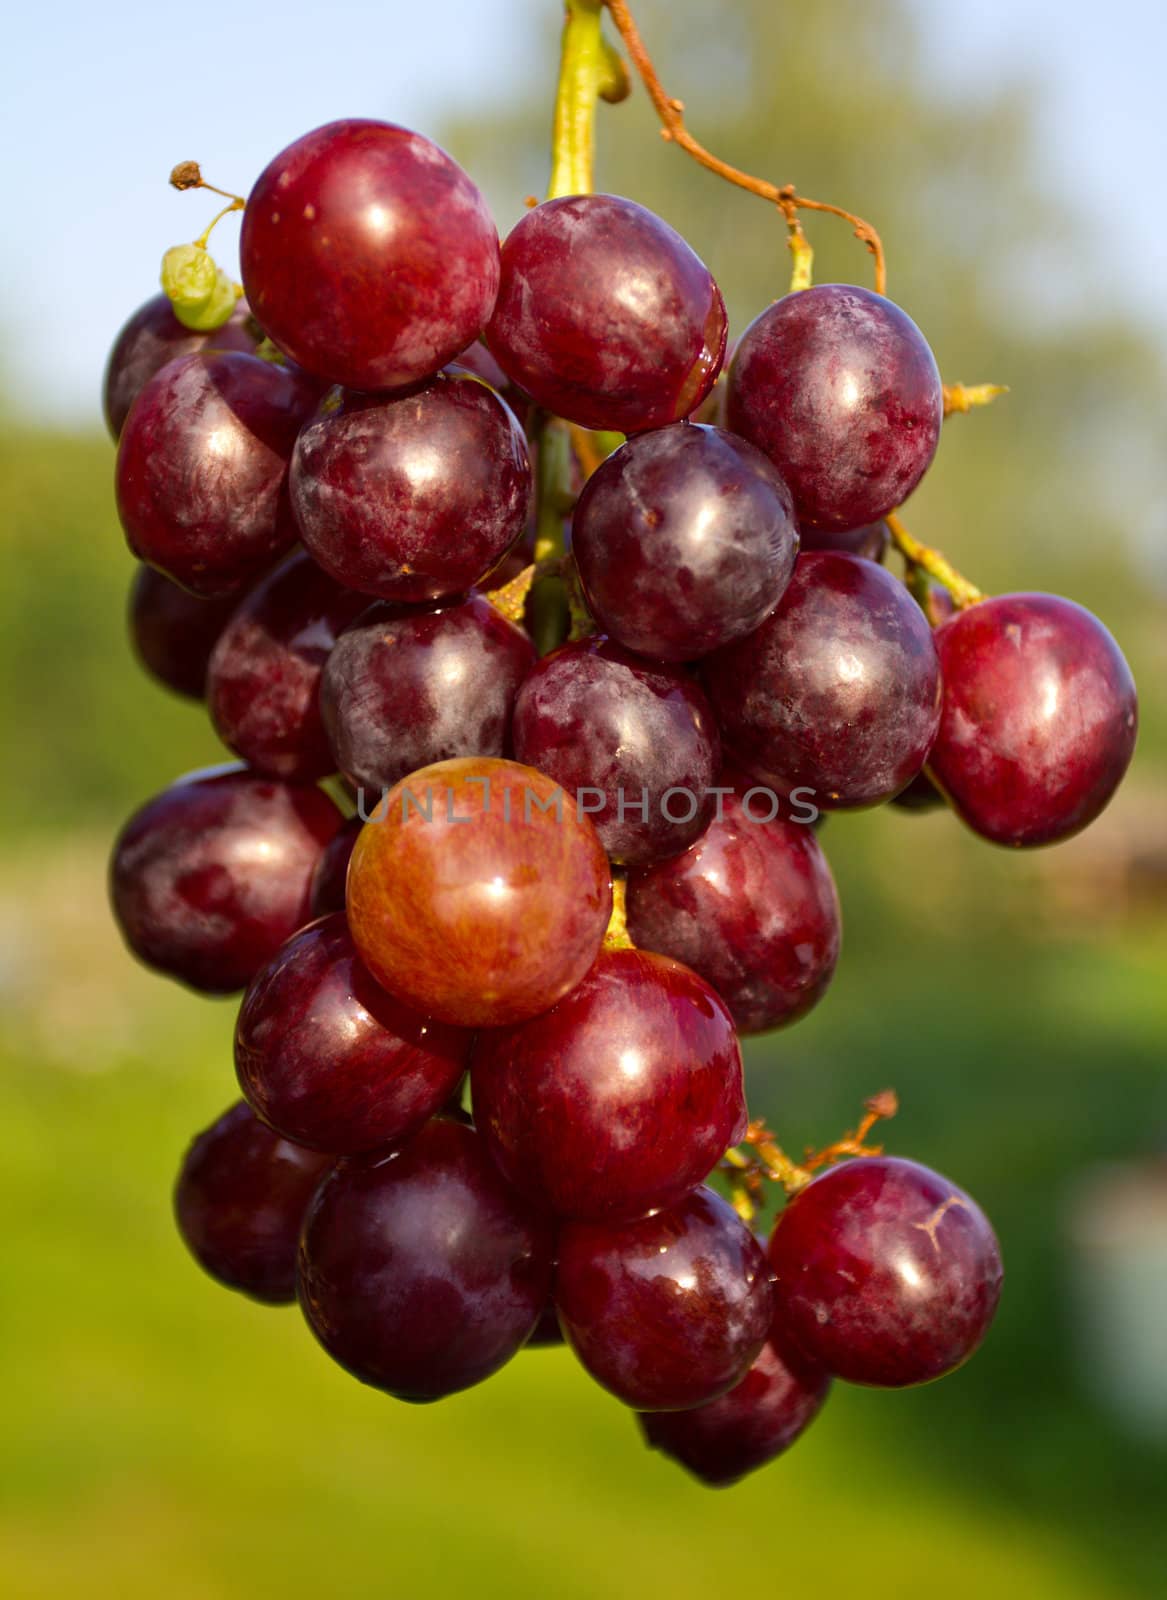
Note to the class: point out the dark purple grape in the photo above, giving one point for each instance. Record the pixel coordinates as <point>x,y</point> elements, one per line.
<point>872,540</point>
<point>605,316</point>
<point>210,877</point>
<point>368,255</point>
<point>328,1059</point>
<point>202,469</point>
<point>152,337</point>
<point>423,1272</point>
<point>263,684</point>
<point>240,1200</point>
<point>885,1273</point>
<point>759,1418</point>
<point>402,690</point>
<point>173,631</point>
<point>634,741</point>
<point>839,388</point>
<point>618,1099</point>
<point>752,908</point>
<point>412,497</point>
<point>328,881</point>
<point>1039,718</point>
<point>685,539</point>
<point>668,1312</point>
<point>836,697</point>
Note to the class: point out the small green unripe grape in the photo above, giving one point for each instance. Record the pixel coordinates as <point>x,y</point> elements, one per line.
<point>201,293</point>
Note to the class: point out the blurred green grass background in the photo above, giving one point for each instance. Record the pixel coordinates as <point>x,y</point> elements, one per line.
<point>162,1437</point>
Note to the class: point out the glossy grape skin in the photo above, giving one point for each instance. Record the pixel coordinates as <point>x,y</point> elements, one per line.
<point>750,1425</point>
<point>173,631</point>
<point>412,497</point>
<point>479,914</point>
<point>331,873</point>
<point>668,1312</point>
<point>885,1272</point>
<point>327,1058</point>
<point>752,908</point>
<point>594,716</point>
<point>263,681</point>
<point>423,1272</point>
<point>202,469</point>
<point>838,692</point>
<point>685,539</point>
<point>1039,718</point>
<point>488,913</point>
<point>152,337</point>
<point>605,316</point>
<point>618,1099</point>
<point>210,877</point>
<point>368,254</point>
<point>872,540</point>
<point>239,1202</point>
<point>838,387</point>
<point>403,691</point>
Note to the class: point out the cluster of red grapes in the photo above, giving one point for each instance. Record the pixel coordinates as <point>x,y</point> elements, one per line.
<point>740,661</point>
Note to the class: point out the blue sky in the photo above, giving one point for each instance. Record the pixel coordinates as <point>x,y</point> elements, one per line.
<point>101,99</point>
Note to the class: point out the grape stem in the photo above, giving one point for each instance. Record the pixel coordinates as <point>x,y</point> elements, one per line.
<point>923,558</point>
<point>673,129</point>
<point>510,599</point>
<point>547,610</point>
<point>962,397</point>
<point>617,936</point>
<point>768,1160</point>
<point>589,70</point>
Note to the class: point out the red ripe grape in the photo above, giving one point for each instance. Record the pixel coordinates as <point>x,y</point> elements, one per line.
<point>423,1272</point>
<point>263,684</point>
<point>752,907</point>
<point>480,898</point>
<point>872,540</point>
<point>210,877</point>
<point>885,1273</point>
<point>605,316</point>
<point>330,1060</point>
<point>173,631</point>
<point>685,539</point>
<point>331,873</point>
<point>838,692</point>
<point>594,716</point>
<point>202,468</point>
<point>668,1312</point>
<point>368,254</point>
<point>1039,718</point>
<point>401,691</point>
<point>152,337</point>
<point>416,496</point>
<point>240,1200</point>
<point>755,1421</point>
<point>839,388</point>
<point>618,1099</point>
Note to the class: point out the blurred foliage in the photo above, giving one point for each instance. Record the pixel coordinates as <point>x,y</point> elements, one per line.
<point>165,1437</point>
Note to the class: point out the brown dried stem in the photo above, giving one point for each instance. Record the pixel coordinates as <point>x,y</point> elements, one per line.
<point>671,113</point>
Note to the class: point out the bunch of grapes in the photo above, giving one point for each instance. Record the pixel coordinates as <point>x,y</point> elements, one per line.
<point>488,1044</point>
